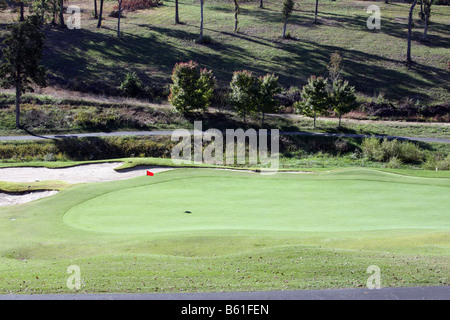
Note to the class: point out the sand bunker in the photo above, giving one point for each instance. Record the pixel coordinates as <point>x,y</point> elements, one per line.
<point>88,173</point>
<point>8,199</point>
<point>79,174</point>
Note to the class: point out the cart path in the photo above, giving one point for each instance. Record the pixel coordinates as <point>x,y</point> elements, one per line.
<point>405,293</point>
<point>169,132</point>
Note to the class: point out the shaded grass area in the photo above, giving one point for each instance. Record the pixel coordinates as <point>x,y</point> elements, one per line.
<point>37,247</point>
<point>94,60</point>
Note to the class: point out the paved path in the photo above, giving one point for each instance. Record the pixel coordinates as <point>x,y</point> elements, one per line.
<point>169,132</point>
<point>411,293</point>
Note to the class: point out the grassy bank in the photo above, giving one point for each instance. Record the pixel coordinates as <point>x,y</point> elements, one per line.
<point>94,60</point>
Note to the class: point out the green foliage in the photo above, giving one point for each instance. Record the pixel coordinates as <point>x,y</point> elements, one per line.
<point>131,86</point>
<point>288,6</point>
<point>268,88</point>
<point>334,67</point>
<point>250,94</point>
<point>343,98</point>
<point>438,163</point>
<point>22,52</point>
<point>192,87</point>
<point>376,150</point>
<point>314,98</point>
<point>21,58</point>
<point>244,93</point>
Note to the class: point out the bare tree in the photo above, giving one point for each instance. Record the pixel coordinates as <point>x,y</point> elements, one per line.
<point>118,17</point>
<point>177,16</point>
<point>316,11</point>
<point>237,10</point>
<point>99,24</point>
<point>202,2</point>
<point>408,50</point>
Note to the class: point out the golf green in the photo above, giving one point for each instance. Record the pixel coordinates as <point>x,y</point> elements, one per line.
<point>208,200</point>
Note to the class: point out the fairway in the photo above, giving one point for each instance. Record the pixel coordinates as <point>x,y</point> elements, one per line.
<point>286,202</point>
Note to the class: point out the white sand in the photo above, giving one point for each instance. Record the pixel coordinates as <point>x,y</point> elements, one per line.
<point>8,199</point>
<point>88,173</point>
<point>79,174</point>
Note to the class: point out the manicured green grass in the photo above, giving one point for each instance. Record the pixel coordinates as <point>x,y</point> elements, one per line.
<point>243,231</point>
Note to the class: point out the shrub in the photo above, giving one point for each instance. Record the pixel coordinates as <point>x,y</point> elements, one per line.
<point>438,163</point>
<point>394,163</point>
<point>132,5</point>
<point>370,148</point>
<point>192,87</point>
<point>385,150</point>
<point>131,86</point>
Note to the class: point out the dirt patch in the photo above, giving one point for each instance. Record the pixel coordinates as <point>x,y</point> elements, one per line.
<point>8,199</point>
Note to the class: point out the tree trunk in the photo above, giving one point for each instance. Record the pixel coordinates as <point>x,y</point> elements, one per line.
<point>99,24</point>
<point>314,123</point>
<point>54,14</point>
<point>408,50</point>
<point>315,12</point>
<point>236,22</point>
<point>95,10</point>
<point>262,119</point>
<point>177,16</point>
<point>284,29</point>
<point>201,20</point>
<point>61,14</point>
<point>421,6</point>
<point>22,15</point>
<point>425,36</point>
<point>118,19</point>
<point>18,100</point>
<point>339,126</point>
<point>261,4</point>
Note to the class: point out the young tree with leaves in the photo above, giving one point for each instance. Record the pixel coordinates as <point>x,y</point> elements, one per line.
<point>334,67</point>
<point>244,93</point>
<point>288,6</point>
<point>314,98</point>
<point>20,65</point>
<point>192,87</point>
<point>343,98</point>
<point>268,87</point>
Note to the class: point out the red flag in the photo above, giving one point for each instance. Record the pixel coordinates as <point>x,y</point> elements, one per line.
<point>150,173</point>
